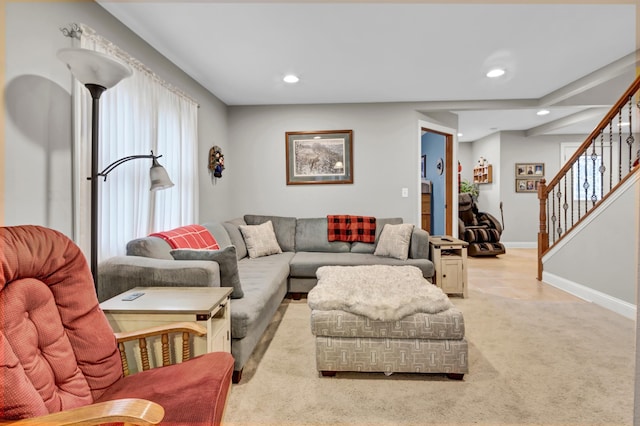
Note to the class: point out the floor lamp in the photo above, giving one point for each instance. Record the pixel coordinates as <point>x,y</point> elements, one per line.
<point>99,72</point>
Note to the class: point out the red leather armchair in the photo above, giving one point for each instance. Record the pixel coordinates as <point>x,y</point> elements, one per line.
<point>60,359</point>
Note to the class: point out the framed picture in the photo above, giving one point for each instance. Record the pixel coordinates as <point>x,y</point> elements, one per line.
<point>527,185</point>
<point>423,167</point>
<point>317,157</point>
<point>535,170</point>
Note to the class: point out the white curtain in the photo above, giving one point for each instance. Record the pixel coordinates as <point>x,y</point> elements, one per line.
<point>140,114</point>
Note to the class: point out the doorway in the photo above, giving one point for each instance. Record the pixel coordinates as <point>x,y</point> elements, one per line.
<point>437,149</point>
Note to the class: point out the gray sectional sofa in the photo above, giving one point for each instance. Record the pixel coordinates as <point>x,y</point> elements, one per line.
<point>265,281</point>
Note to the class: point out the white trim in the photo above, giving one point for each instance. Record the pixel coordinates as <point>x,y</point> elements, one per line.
<point>601,208</point>
<point>618,306</point>
<point>520,244</point>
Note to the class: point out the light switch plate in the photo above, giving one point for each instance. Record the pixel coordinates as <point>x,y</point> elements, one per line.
<point>405,192</point>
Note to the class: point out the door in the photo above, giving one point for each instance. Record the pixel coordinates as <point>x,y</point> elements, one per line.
<point>438,148</point>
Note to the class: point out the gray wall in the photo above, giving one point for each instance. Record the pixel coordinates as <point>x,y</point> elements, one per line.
<point>386,155</point>
<point>37,111</point>
<point>607,244</point>
<point>503,150</point>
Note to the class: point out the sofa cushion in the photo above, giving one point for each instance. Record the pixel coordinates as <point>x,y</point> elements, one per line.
<point>284,227</point>
<point>219,233</point>
<point>231,226</point>
<point>189,236</point>
<point>305,264</point>
<point>153,247</point>
<point>226,259</point>
<point>311,235</point>
<point>262,281</point>
<point>260,239</point>
<point>394,241</point>
<point>360,247</point>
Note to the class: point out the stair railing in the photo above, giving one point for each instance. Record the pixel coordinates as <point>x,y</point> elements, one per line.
<point>603,162</point>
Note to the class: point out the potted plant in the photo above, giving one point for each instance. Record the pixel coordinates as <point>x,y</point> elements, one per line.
<point>467,187</point>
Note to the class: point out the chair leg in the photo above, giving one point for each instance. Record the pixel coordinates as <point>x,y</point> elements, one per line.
<point>237,376</point>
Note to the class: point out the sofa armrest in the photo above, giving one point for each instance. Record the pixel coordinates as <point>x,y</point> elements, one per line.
<point>419,246</point>
<point>121,273</point>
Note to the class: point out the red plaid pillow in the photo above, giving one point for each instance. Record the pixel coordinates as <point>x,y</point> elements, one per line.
<point>190,236</point>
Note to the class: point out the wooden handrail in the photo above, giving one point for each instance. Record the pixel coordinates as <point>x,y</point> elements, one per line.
<point>545,189</point>
<point>624,99</point>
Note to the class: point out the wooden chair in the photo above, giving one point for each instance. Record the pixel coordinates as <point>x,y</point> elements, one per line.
<point>61,362</point>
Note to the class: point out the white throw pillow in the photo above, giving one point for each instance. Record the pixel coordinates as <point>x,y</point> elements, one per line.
<point>394,241</point>
<point>260,239</point>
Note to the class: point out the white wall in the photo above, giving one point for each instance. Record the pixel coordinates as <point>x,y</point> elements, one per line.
<point>37,111</point>
<point>385,160</point>
<point>489,195</point>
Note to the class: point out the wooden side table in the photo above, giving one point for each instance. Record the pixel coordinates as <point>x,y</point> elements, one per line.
<point>207,306</point>
<point>449,257</point>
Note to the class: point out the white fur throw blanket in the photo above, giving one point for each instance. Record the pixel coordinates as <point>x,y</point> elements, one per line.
<point>379,292</point>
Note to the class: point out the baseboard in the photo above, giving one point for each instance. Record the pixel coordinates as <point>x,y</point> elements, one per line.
<point>521,244</point>
<point>618,306</point>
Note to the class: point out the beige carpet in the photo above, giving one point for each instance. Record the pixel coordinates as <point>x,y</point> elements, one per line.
<point>532,362</point>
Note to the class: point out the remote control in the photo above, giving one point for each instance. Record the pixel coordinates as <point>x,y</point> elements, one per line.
<point>132,296</point>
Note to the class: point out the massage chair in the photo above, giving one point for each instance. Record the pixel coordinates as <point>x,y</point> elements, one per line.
<point>481,230</point>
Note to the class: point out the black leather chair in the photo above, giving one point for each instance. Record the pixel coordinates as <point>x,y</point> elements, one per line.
<point>481,230</point>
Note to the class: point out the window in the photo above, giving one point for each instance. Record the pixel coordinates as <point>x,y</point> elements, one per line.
<point>587,179</point>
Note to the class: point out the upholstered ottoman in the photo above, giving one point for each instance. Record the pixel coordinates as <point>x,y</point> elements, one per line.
<point>354,336</point>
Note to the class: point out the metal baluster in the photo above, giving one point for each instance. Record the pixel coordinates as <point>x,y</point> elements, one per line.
<point>630,138</point>
<point>565,206</point>
<point>619,147</point>
<point>572,197</point>
<point>610,155</point>
<point>559,213</point>
<point>577,184</point>
<point>594,157</point>
<point>585,185</point>
<point>553,216</point>
<point>602,167</point>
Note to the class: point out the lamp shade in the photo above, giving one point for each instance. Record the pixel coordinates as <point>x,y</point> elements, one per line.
<point>159,177</point>
<point>91,67</point>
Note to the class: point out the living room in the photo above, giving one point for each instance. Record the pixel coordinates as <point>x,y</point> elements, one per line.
<point>38,169</point>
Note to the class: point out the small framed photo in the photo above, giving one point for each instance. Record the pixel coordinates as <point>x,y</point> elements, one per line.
<point>423,167</point>
<point>316,157</point>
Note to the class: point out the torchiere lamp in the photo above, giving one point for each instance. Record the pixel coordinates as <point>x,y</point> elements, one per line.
<point>99,72</point>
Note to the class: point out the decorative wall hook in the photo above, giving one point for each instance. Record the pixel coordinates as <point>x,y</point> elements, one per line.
<point>216,163</point>
<point>73,31</point>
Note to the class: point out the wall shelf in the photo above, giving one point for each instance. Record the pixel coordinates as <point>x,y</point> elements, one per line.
<point>483,174</point>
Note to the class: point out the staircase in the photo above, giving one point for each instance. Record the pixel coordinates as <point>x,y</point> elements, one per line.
<point>599,167</point>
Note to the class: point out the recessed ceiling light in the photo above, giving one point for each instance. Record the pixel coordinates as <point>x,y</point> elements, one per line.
<point>496,72</point>
<point>290,78</point>
<point>459,135</point>
<point>543,112</point>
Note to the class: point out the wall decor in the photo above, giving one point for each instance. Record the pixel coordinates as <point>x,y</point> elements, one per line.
<point>319,157</point>
<point>527,185</point>
<point>535,170</point>
<point>528,176</point>
<point>216,163</point>
<point>423,167</point>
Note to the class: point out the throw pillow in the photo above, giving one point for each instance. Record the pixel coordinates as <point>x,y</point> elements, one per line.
<point>394,241</point>
<point>260,239</point>
<point>227,260</point>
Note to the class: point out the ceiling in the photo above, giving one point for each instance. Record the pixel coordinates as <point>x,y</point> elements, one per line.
<point>573,59</point>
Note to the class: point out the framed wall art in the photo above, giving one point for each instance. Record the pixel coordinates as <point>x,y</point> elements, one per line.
<point>528,176</point>
<point>533,170</point>
<point>319,157</point>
